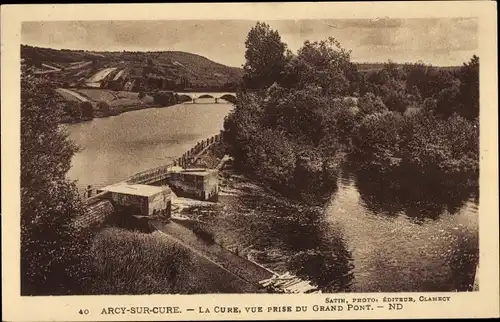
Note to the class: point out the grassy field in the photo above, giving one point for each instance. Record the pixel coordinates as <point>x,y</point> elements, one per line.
<point>68,95</point>
<point>115,98</point>
<point>129,262</point>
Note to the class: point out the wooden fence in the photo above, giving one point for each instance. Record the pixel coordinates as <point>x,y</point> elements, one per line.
<point>184,161</point>
<point>98,207</point>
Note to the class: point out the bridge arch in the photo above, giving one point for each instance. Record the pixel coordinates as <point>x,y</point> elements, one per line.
<point>193,96</point>
<point>181,98</point>
<point>231,98</point>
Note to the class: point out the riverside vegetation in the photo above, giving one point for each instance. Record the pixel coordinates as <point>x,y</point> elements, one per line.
<point>57,258</point>
<point>411,129</point>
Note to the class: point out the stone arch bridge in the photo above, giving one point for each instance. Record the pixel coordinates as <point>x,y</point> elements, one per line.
<point>193,96</point>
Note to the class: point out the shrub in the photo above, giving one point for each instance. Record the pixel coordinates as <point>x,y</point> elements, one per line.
<point>369,104</point>
<point>72,109</point>
<point>377,139</point>
<point>165,98</point>
<point>104,108</point>
<point>445,147</point>
<point>272,157</point>
<point>136,263</point>
<point>87,110</point>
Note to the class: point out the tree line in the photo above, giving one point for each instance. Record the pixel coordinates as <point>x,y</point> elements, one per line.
<point>298,112</point>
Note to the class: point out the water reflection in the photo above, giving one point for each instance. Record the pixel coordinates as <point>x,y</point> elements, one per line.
<point>282,235</point>
<point>406,242</point>
<point>328,265</point>
<point>369,238</point>
<point>416,197</point>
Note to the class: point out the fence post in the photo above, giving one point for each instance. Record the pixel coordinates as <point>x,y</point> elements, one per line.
<point>89,191</point>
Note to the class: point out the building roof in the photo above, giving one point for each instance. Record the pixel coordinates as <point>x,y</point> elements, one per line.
<point>136,189</point>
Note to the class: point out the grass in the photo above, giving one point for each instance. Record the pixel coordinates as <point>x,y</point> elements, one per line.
<point>97,94</point>
<point>129,262</point>
<point>67,96</point>
<point>116,99</point>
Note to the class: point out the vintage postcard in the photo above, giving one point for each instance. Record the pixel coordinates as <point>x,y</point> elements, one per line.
<point>249,161</point>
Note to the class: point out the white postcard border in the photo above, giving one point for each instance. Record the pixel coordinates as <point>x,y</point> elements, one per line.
<point>483,303</point>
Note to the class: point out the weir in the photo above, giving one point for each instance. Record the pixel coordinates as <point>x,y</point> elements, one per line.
<point>96,213</point>
<point>199,184</point>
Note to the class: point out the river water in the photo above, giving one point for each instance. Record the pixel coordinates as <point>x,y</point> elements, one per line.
<point>117,147</point>
<point>365,239</point>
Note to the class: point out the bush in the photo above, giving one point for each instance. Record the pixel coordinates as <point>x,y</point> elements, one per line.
<point>165,98</point>
<point>369,104</point>
<point>272,158</point>
<point>135,263</point>
<point>377,139</point>
<point>445,147</point>
<point>104,108</point>
<point>72,109</point>
<point>87,110</point>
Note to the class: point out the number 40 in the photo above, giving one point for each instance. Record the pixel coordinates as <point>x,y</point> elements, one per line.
<point>85,311</point>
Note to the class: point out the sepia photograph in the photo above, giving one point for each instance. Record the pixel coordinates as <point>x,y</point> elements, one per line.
<point>250,156</point>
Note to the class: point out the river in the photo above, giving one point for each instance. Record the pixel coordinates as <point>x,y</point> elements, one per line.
<point>116,147</point>
<point>366,238</point>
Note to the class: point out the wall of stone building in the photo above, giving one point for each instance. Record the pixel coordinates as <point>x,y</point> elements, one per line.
<point>95,214</point>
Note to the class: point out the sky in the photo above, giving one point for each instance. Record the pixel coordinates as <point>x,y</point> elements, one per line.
<point>440,42</point>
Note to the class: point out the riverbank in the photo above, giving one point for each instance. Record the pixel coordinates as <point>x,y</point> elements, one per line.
<point>116,111</point>
<point>425,244</point>
<point>83,104</point>
<point>122,265</point>
<point>240,199</point>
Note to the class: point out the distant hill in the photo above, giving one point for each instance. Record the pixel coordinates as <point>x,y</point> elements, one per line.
<point>367,67</point>
<point>131,71</point>
<point>142,71</point>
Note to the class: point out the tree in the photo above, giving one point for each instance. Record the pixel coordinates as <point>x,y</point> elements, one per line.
<point>87,110</point>
<point>469,88</point>
<point>242,125</point>
<point>295,111</point>
<point>53,252</point>
<point>272,157</point>
<point>396,101</point>
<point>448,100</point>
<point>104,108</point>
<point>265,57</point>
<point>325,64</point>
<point>72,109</point>
<point>377,139</point>
<point>369,104</point>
